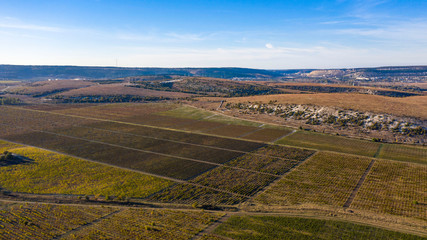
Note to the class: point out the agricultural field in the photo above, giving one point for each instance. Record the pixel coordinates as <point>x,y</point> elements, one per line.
<point>324,179</point>
<point>267,134</point>
<point>331,143</point>
<point>120,89</point>
<point>4,146</point>
<point>44,221</point>
<point>272,159</point>
<point>199,195</point>
<point>394,188</point>
<point>198,114</point>
<point>51,173</point>
<point>232,130</point>
<point>149,115</point>
<point>238,181</point>
<point>151,224</point>
<point>273,227</point>
<point>404,153</point>
<point>169,155</point>
<point>45,88</point>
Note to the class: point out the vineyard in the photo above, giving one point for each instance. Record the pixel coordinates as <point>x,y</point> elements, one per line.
<point>138,157</point>
<point>42,221</point>
<point>331,143</point>
<point>395,188</point>
<point>404,153</point>
<point>143,224</point>
<point>52,173</point>
<point>45,221</point>
<point>325,179</point>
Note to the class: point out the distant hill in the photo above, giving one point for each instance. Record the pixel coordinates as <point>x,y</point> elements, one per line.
<point>36,73</point>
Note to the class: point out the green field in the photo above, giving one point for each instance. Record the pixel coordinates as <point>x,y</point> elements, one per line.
<point>4,146</point>
<point>394,188</point>
<point>325,179</point>
<point>52,173</point>
<point>331,143</point>
<point>268,227</point>
<point>404,153</point>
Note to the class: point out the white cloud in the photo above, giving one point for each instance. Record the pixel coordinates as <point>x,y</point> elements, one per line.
<point>398,32</point>
<point>24,26</point>
<point>269,46</point>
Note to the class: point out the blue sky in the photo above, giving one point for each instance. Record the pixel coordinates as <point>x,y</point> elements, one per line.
<point>258,34</point>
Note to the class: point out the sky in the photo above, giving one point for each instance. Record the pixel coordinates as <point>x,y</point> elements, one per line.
<point>268,34</point>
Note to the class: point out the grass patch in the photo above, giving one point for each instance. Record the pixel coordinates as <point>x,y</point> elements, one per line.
<point>267,227</point>
<point>5,146</point>
<point>59,174</point>
<point>331,143</point>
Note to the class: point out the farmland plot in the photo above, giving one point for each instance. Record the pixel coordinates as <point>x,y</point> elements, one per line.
<point>116,155</point>
<point>234,180</point>
<point>331,143</point>
<point>118,110</point>
<point>42,221</point>
<point>4,146</point>
<point>394,188</point>
<point>37,120</point>
<point>52,173</point>
<point>267,134</point>
<point>271,159</point>
<point>268,227</point>
<point>326,178</point>
<point>232,130</point>
<point>404,153</point>
<point>190,194</point>
<point>147,224</point>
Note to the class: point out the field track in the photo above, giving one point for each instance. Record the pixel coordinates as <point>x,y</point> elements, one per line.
<point>359,184</point>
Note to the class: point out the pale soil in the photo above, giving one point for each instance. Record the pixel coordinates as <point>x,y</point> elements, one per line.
<point>415,106</point>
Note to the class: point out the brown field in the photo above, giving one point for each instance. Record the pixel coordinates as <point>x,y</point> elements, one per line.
<point>120,89</point>
<point>415,106</point>
<point>49,86</point>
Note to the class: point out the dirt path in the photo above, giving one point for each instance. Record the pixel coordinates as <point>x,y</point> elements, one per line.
<point>248,133</point>
<point>379,150</point>
<point>87,225</point>
<point>249,201</point>
<point>359,184</point>
<point>288,134</point>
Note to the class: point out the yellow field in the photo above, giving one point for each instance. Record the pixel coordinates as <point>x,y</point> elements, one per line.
<point>415,106</point>
<point>59,174</point>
